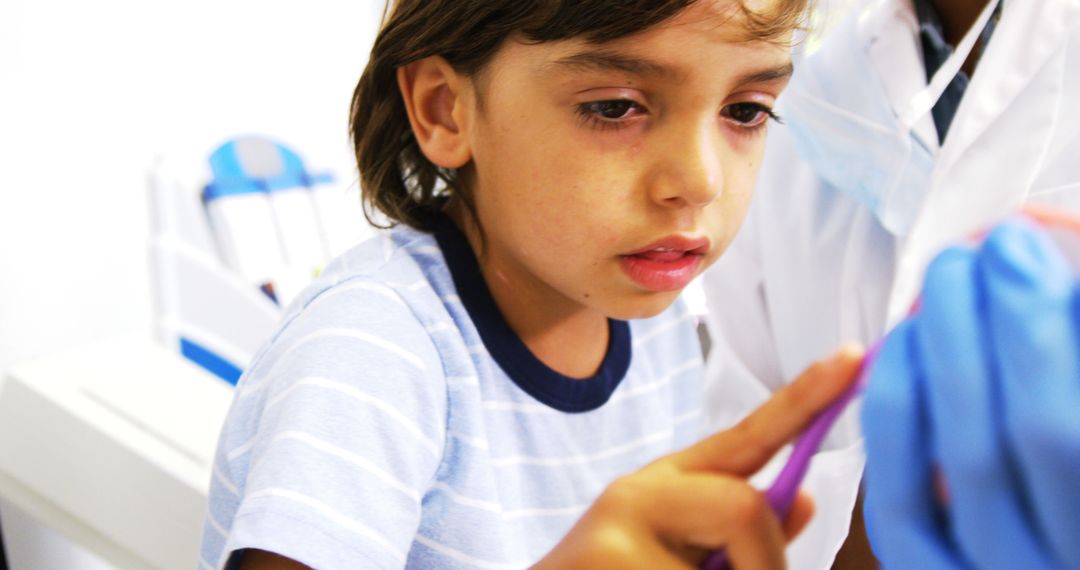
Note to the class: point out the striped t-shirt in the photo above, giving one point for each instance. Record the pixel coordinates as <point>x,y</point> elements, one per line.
<point>394,420</point>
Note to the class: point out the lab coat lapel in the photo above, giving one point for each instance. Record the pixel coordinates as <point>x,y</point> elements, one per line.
<point>1029,35</point>
<point>890,31</point>
<point>997,141</point>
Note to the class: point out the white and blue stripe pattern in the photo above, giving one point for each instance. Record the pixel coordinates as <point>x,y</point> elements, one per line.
<point>376,431</point>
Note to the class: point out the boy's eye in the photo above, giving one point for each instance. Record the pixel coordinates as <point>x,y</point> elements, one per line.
<point>612,114</point>
<point>610,110</point>
<point>748,114</point>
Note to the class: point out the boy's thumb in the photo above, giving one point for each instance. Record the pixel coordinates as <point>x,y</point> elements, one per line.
<point>746,447</point>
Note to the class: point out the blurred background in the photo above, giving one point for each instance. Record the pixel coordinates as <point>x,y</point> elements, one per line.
<point>92,94</point>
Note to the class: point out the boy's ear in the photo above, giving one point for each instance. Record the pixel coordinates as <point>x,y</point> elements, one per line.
<point>437,100</point>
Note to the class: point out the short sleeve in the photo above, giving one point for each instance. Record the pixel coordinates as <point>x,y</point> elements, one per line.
<point>336,434</point>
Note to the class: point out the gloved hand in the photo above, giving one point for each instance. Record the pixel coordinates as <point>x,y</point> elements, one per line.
<point>980,390</point>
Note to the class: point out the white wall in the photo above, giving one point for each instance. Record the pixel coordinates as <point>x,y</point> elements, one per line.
<point>90,92</point>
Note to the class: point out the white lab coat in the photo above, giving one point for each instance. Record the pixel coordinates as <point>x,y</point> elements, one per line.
<point>813,267</point>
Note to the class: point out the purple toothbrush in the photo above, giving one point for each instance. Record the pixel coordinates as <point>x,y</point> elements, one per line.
<point>785,488</point>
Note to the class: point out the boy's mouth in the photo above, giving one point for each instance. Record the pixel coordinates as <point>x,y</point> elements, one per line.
<point>666,265</point>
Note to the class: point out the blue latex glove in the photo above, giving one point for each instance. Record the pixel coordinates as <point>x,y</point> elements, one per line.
<point>981,386</point>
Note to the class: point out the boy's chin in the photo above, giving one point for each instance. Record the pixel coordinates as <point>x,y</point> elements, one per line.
<point>642,305</point>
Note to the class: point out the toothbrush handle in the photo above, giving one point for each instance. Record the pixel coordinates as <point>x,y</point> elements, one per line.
<point>781,494</point>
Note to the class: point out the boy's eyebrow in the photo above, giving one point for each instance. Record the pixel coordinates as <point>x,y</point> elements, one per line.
<point>604,60</point>
<point>764,76</point>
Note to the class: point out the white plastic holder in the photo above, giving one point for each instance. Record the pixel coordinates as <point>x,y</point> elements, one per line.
<point>112,445</point>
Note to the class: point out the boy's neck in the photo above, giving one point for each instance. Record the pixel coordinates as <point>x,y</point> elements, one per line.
<point>572,344</point>
<point>568,337</point>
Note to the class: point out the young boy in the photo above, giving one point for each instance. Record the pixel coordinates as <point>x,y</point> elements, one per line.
<point>470,390</point>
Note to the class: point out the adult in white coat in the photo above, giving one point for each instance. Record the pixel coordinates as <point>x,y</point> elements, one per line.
<point>860,189</point>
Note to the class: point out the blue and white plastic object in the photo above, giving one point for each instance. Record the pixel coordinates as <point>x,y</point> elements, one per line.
<point>264,216</point>
<point>236,236</point>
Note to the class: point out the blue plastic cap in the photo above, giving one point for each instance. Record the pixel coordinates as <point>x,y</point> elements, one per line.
<point>284,182</point>
<point>320,178</point>
<point>231,187</point>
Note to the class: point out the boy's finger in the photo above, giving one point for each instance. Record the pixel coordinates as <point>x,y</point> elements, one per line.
<point>745,448</point>
<point>707,511</point>
<point>802,510</point>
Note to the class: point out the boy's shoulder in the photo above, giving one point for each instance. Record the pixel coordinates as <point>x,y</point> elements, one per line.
<point>381,298</point>
<point>401,260</point>
<point>397,252</point>
<point>396,280</point>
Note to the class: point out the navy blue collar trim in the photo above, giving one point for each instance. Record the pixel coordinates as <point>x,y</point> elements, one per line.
<point>528,372</point>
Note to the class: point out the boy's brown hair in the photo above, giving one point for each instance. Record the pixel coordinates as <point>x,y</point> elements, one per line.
<point>395,177</point>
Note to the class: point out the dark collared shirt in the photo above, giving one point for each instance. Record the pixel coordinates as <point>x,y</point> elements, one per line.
<point>936,50</point>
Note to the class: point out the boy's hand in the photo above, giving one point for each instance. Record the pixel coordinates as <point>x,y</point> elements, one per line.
<point>673,511</point>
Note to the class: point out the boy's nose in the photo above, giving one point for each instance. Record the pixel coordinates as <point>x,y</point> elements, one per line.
<point>690,174</point>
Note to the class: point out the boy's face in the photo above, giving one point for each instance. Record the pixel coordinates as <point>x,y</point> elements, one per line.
<point>607,176</point>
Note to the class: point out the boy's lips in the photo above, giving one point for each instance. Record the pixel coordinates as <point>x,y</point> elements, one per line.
<point>667,264</point>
